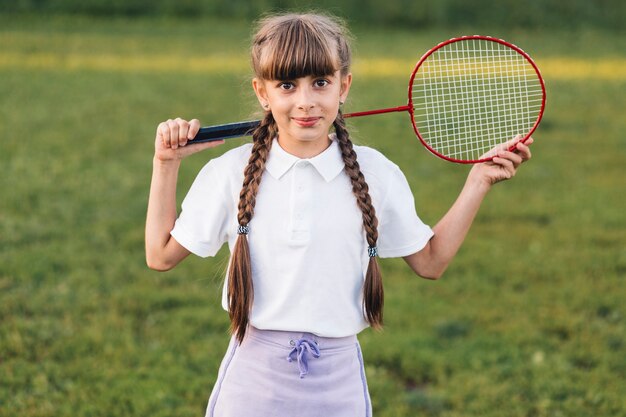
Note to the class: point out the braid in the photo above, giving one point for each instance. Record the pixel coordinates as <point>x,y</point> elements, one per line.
<point>373,294</point>
<point>240,288</point>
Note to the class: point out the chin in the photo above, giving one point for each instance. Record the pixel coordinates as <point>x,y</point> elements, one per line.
<point>312,137</point>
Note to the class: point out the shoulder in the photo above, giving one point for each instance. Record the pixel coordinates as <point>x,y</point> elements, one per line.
<point>224,172</point>
<point>374,165</point>
<point>230,163</point>
<point>383,177</point>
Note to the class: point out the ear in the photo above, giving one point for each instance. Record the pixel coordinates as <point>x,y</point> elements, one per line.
<point>346,82</point>
<point>260,91</point>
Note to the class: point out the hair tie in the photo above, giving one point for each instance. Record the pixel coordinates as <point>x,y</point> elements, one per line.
<point>372,251</point>
<point>243,230</point>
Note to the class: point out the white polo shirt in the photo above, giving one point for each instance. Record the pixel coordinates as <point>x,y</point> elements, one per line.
<point>307,243</point>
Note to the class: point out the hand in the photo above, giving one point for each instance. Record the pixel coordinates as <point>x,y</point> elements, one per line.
<point>174,136</point>
<point>504,165</point>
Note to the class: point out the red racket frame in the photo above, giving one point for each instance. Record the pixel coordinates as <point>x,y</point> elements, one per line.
<point>409,106</point>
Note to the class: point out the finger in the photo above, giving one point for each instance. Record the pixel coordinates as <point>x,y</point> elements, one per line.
<point>164,134</point>
<point>183,128</point>
<point>507,166</point>
<point>173,125</point>
<point>515,158</point>
<point>194,127</point>
<point>524,149</point>
<point>199,147</point>
<point>510,144</point>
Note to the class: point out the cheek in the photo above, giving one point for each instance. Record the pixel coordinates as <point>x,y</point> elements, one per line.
<point>279,103</point>
<point>332,108</point>
<point>331,101</point>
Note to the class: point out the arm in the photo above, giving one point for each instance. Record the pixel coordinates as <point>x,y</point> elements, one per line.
<point>450,231</point>
<point>162,251</point>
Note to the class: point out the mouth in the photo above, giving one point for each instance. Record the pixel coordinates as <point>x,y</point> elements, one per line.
<point>306,121</point>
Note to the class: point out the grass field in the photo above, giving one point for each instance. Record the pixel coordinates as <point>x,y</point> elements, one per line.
<point>528,321</point>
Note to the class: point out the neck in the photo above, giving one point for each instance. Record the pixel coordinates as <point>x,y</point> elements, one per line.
<point>304,149</point>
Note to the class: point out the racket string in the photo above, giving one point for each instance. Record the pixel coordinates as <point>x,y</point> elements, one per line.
<point>471,97</point>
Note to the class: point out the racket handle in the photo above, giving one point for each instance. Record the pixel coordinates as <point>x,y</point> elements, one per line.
<point>227,131</point>
<point>236,130</point>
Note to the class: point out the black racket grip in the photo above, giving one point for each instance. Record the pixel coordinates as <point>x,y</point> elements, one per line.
<point>227,131</point>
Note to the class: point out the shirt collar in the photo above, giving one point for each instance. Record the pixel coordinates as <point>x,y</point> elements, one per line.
<point>328,164</point>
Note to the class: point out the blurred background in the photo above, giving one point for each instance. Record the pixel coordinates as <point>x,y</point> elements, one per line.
<point>529,320</point>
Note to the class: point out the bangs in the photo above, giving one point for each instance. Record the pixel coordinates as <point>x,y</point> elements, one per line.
<point>297,51</point>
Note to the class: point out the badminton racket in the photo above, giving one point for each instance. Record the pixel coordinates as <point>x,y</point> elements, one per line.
<point>468,98</point>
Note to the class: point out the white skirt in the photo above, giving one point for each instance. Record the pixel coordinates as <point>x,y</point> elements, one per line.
<point>291,374</point>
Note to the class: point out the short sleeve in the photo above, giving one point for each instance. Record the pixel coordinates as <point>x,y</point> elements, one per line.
<point>202,224</point>
<point>400,231</point>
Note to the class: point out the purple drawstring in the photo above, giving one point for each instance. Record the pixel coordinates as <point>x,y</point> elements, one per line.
<point>301,346</point>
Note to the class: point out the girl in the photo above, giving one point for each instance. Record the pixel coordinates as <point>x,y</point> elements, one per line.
<point>305,214</point>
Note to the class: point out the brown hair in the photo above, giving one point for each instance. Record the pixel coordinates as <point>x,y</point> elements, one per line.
<point>287,47</point>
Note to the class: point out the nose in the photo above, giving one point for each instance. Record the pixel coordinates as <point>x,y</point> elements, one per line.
<point>306,99</point>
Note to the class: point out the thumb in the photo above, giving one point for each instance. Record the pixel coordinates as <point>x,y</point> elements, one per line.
<point>191,148</point>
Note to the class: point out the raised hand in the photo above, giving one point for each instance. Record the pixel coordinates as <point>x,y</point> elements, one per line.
<point>504,165</point>
<point>174,136</point>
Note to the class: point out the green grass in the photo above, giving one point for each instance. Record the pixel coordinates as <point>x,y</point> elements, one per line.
<point>528,321</point>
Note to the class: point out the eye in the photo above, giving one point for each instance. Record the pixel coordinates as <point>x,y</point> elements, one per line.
<point>286,85</point>
<point>321,82</point>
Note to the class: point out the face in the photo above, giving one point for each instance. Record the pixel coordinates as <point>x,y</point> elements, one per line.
<point>304,108</point>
